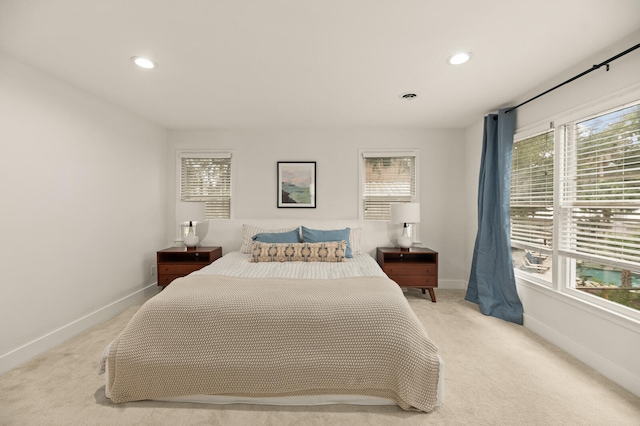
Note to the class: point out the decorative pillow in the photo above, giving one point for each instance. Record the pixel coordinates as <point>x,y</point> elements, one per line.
<point>354,240</point>
<point>278,237</point>
<point>319,236</point>
<point>249,231</point>
<point>298,252</point>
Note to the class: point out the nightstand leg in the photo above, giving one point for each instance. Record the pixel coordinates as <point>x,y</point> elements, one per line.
<point>431,293</point>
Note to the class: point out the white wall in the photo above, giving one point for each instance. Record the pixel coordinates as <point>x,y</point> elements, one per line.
<point>473,152</point>
<point>336,153</point>
<point>603,340</point>
<point>82,187</point>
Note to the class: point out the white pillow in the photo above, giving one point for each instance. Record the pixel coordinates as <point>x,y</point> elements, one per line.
<point>354,240</point>
<point>249,231</point>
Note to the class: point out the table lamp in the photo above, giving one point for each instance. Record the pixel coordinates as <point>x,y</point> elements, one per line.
<point>407,214</point>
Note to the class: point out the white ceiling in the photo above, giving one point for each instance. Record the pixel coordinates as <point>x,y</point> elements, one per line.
<point>310,63</point>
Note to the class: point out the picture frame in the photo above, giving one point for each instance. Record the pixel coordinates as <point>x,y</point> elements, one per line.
<point>297,184</point>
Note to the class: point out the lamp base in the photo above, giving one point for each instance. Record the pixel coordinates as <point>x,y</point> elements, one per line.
<point>405,241</point>
<point>191,239</point>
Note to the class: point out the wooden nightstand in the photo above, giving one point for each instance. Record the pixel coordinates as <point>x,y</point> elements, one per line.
<point>176,262</point>
<point>414,267</point>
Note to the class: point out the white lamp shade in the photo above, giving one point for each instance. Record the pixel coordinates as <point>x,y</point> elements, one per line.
<point>405,213</point>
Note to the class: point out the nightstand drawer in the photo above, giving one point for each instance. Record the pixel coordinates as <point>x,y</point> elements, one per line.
<point>410,269</point>
<point>415,280</point>
<point>179,268</point>
<point>166,279</point>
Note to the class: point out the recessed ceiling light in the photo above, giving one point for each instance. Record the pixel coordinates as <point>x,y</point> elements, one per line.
<point>408,96</point>
<point>459,58</point>
<point>143,62</point>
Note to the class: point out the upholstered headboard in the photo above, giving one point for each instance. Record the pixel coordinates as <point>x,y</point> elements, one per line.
<point>228,233</point>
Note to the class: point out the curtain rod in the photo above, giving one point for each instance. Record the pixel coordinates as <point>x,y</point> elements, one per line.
<point>593,68</point>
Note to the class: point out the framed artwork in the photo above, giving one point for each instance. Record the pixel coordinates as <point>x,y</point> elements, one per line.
<point>297,184</point>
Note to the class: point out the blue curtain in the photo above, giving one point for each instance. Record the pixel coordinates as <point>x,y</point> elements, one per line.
<point>492,283</point>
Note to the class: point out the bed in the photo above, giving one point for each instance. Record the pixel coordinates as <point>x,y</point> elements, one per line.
<point>286,333</point>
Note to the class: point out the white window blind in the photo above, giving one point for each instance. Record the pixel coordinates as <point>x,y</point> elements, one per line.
<point>532,191</point>
<point>387,180</point>
<point>600,201</point>
<point>207,178</point>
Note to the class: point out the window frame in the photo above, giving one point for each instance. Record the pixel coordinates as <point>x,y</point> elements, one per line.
<point>180,154</point>
<point>563,274</point>
<point>373,153</point>
<point>568,260</point>
<point>533,276</point>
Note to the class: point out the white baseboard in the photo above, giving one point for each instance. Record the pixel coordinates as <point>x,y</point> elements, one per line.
<point>42,344</point>
<point>452,284</point>
<point>612,371</point>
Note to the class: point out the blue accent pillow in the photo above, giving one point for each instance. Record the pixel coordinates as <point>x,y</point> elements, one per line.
<point>319,236</point>
<point>278,237</point>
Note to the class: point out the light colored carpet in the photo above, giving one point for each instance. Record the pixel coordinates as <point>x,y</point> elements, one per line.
<point>496,373</point>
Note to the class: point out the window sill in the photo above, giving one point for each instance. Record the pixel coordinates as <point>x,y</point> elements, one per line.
<point>532,278</point>
<point>614,317</point>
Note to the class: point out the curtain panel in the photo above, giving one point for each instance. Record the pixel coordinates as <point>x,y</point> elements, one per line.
<point>492,282</point>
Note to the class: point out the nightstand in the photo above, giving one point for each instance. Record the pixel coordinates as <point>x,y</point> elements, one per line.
<point>413,267</point>
<point>176,262</point>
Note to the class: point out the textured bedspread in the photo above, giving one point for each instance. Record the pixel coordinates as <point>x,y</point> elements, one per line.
<point>220,335</point>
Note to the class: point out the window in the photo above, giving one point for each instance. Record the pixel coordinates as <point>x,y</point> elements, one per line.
<point>582,219</point>
<point>532,204</point>
<point>206,177</point>
<point>388,178</point>
<point>600,205</point>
